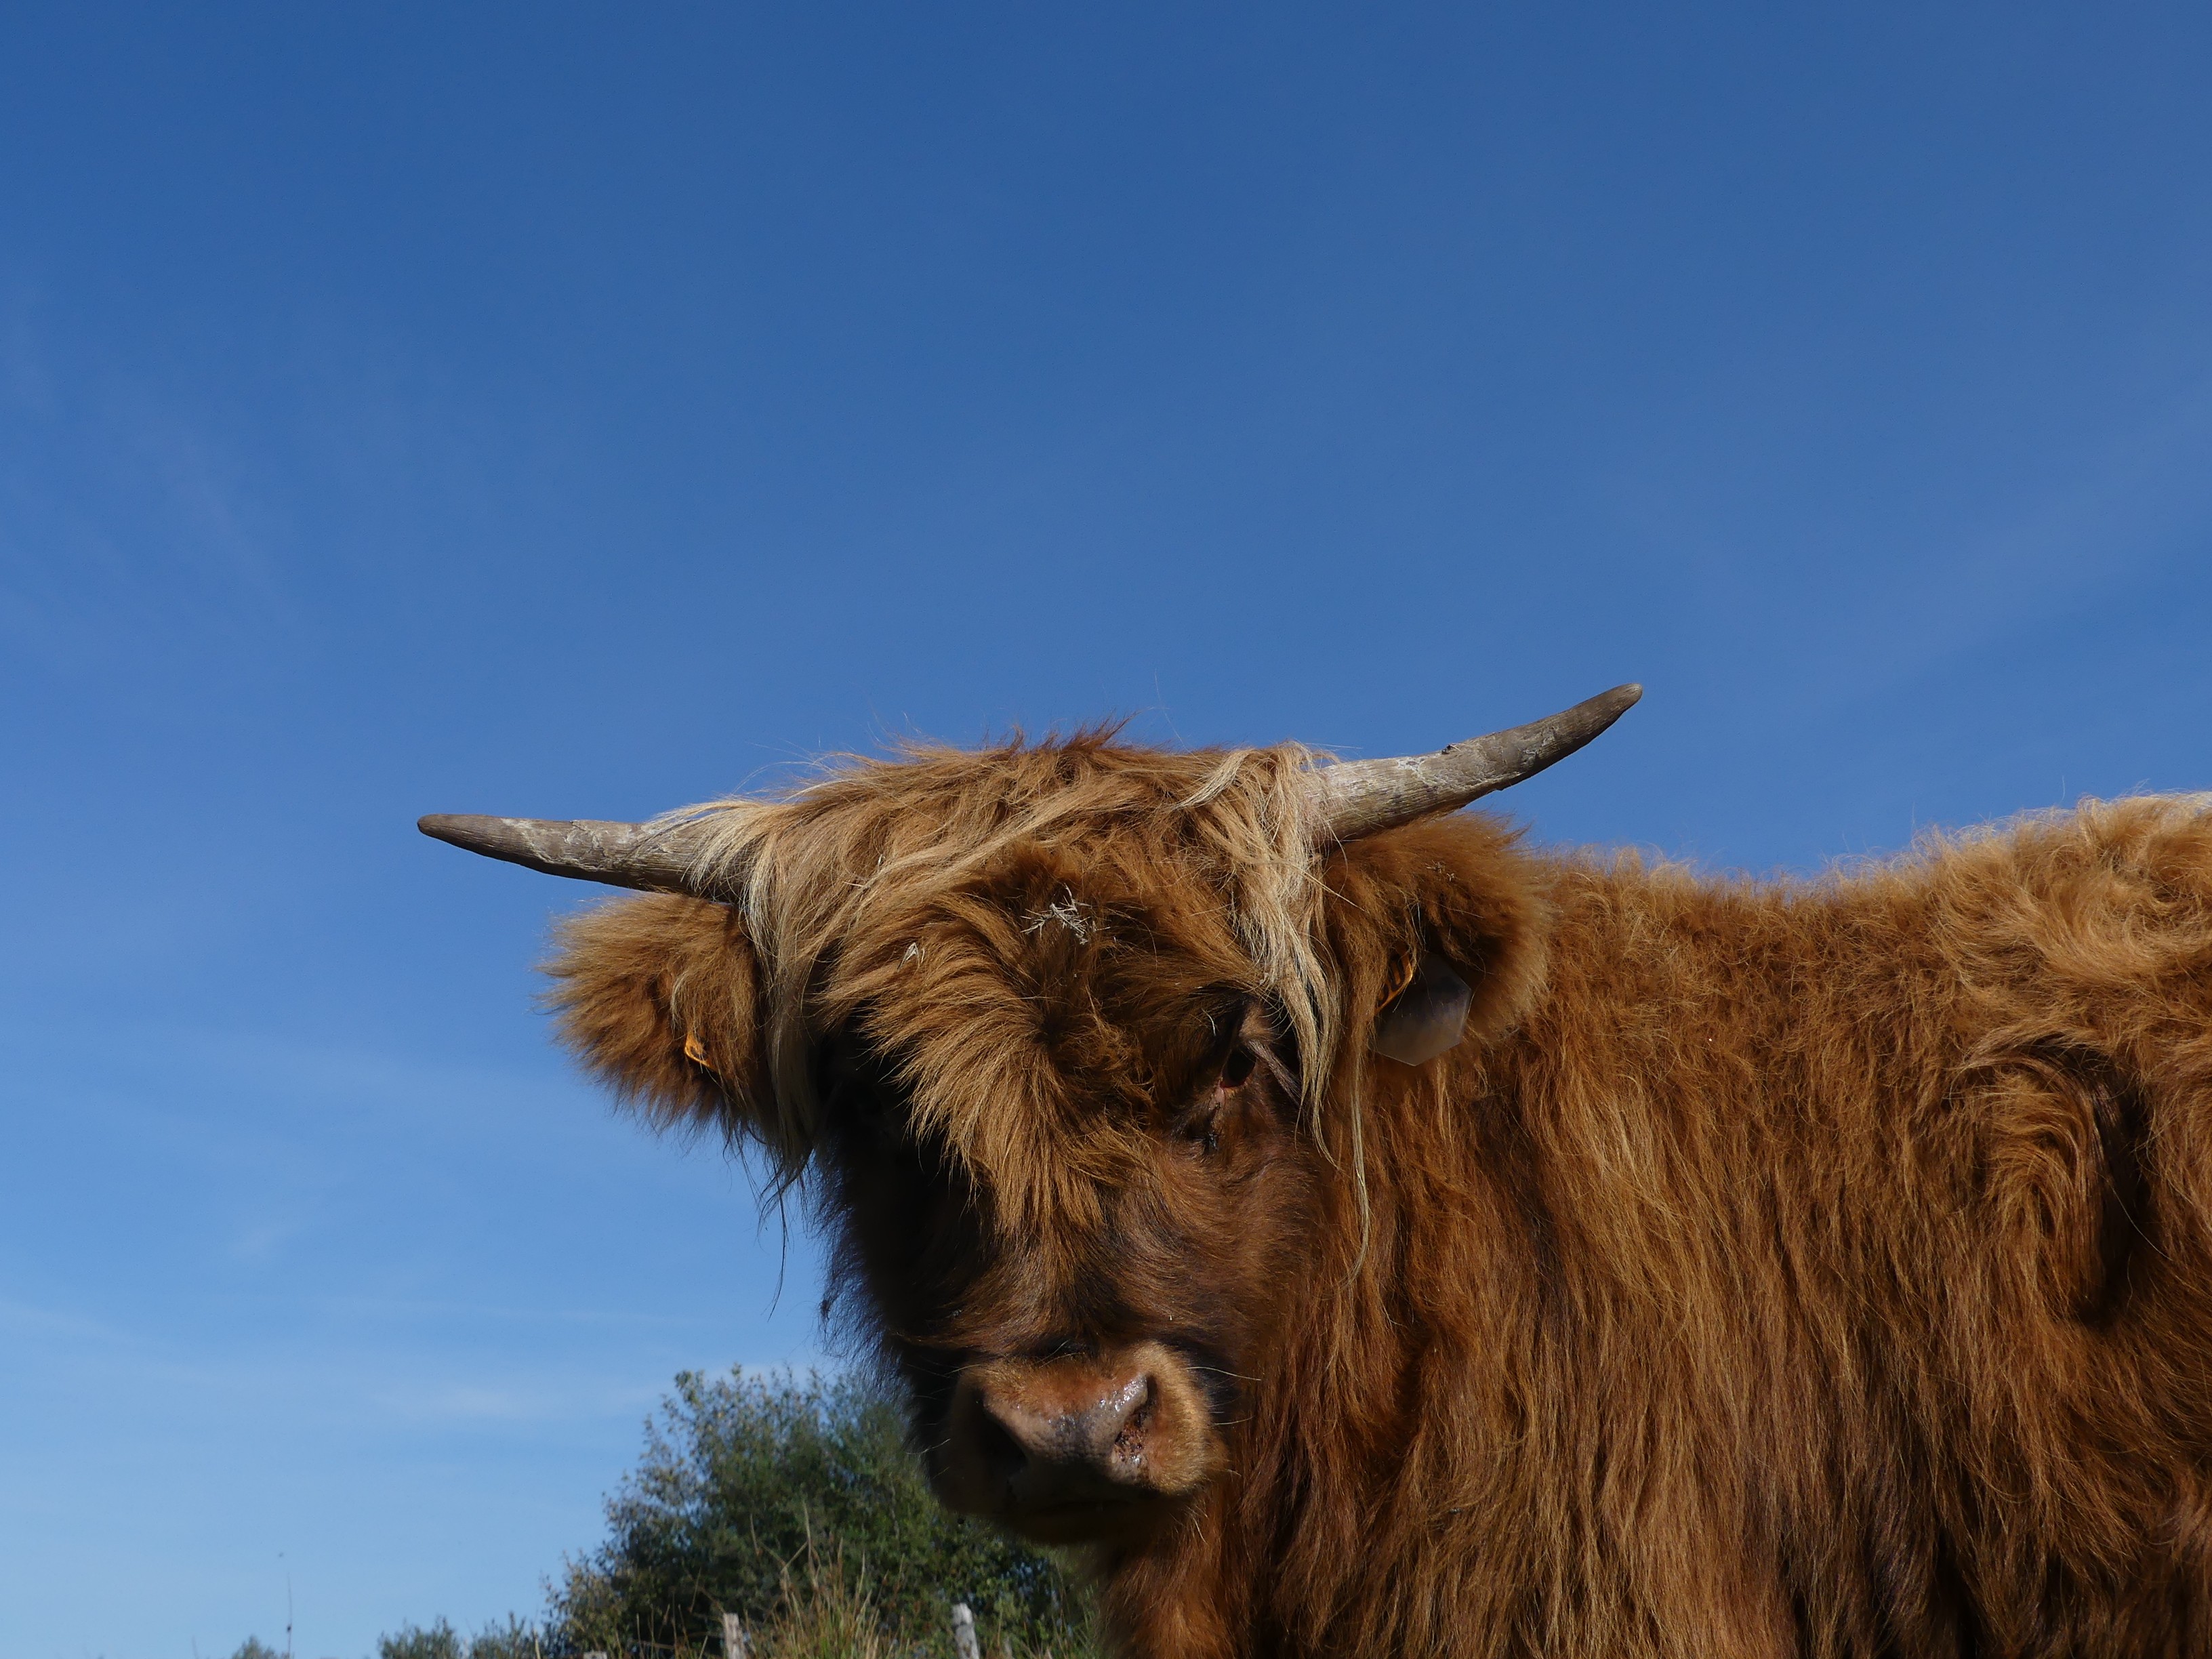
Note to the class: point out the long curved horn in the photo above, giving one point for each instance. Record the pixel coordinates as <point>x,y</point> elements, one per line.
<point>654,857</point>
<point>1358,797</point>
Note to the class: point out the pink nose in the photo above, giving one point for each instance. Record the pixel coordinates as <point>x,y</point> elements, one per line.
<point>1063,1433</point>
<point>1054,1447</point>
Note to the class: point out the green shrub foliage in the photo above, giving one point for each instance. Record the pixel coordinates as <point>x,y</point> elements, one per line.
<point>511,1640</point>
<point>757,1491</point>
<point>436,1641</point>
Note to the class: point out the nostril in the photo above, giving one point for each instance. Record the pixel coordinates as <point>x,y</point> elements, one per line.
<point>1129,1405</point>
<point>996,1444</point>
<point>1128,1412</point>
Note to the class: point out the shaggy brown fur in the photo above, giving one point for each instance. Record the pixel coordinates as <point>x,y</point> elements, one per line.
<point>1816,1268</point>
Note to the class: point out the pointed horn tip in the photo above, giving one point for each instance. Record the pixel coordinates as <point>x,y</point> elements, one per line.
<point>451,828</point>
<point>1362,797</point>
<point>1593,715</point>
<point>517,840</point>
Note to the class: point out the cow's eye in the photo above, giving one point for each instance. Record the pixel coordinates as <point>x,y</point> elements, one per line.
<point>1203,1128</point>
<point>1237,1068</point>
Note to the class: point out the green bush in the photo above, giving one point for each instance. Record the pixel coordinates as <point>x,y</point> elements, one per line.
<point>513,1640</point>
<point>435,1641</point>
<point>797,1506</point>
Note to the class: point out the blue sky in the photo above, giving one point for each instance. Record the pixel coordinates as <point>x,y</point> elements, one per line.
<point>576,410</point>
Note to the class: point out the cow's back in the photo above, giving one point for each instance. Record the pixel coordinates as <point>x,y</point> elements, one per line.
<point>1912,1169</point>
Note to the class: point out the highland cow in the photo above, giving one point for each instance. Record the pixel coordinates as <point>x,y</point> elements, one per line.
<point>1360,1232</point>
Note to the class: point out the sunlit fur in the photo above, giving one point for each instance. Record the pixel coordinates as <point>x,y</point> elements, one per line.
<point>862,890</point>
<point>1815,1268</point>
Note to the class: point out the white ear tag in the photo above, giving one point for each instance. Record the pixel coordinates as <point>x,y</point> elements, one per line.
<point>1426,1019</point>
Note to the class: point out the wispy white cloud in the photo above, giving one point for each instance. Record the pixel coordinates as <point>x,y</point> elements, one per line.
<point>1865,592</point>
<point>131,512</point>
<point>29,1321</point>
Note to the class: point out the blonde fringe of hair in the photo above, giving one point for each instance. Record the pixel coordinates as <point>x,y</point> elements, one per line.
<point>810,867</point>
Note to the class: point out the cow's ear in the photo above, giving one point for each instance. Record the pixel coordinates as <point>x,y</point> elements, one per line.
<point>659,996</point>
<point>1457,889</point>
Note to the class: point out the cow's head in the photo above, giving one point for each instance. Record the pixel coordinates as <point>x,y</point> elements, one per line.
<point>1066,1040</point>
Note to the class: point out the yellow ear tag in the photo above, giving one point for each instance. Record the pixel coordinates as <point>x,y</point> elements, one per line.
<point>695,1051</point>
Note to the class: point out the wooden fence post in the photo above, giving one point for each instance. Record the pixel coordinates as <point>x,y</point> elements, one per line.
<point>734,1645</point>
<point>964,1632</point>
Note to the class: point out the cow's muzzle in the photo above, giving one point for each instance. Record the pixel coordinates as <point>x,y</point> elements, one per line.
<point>1071,1450</point>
